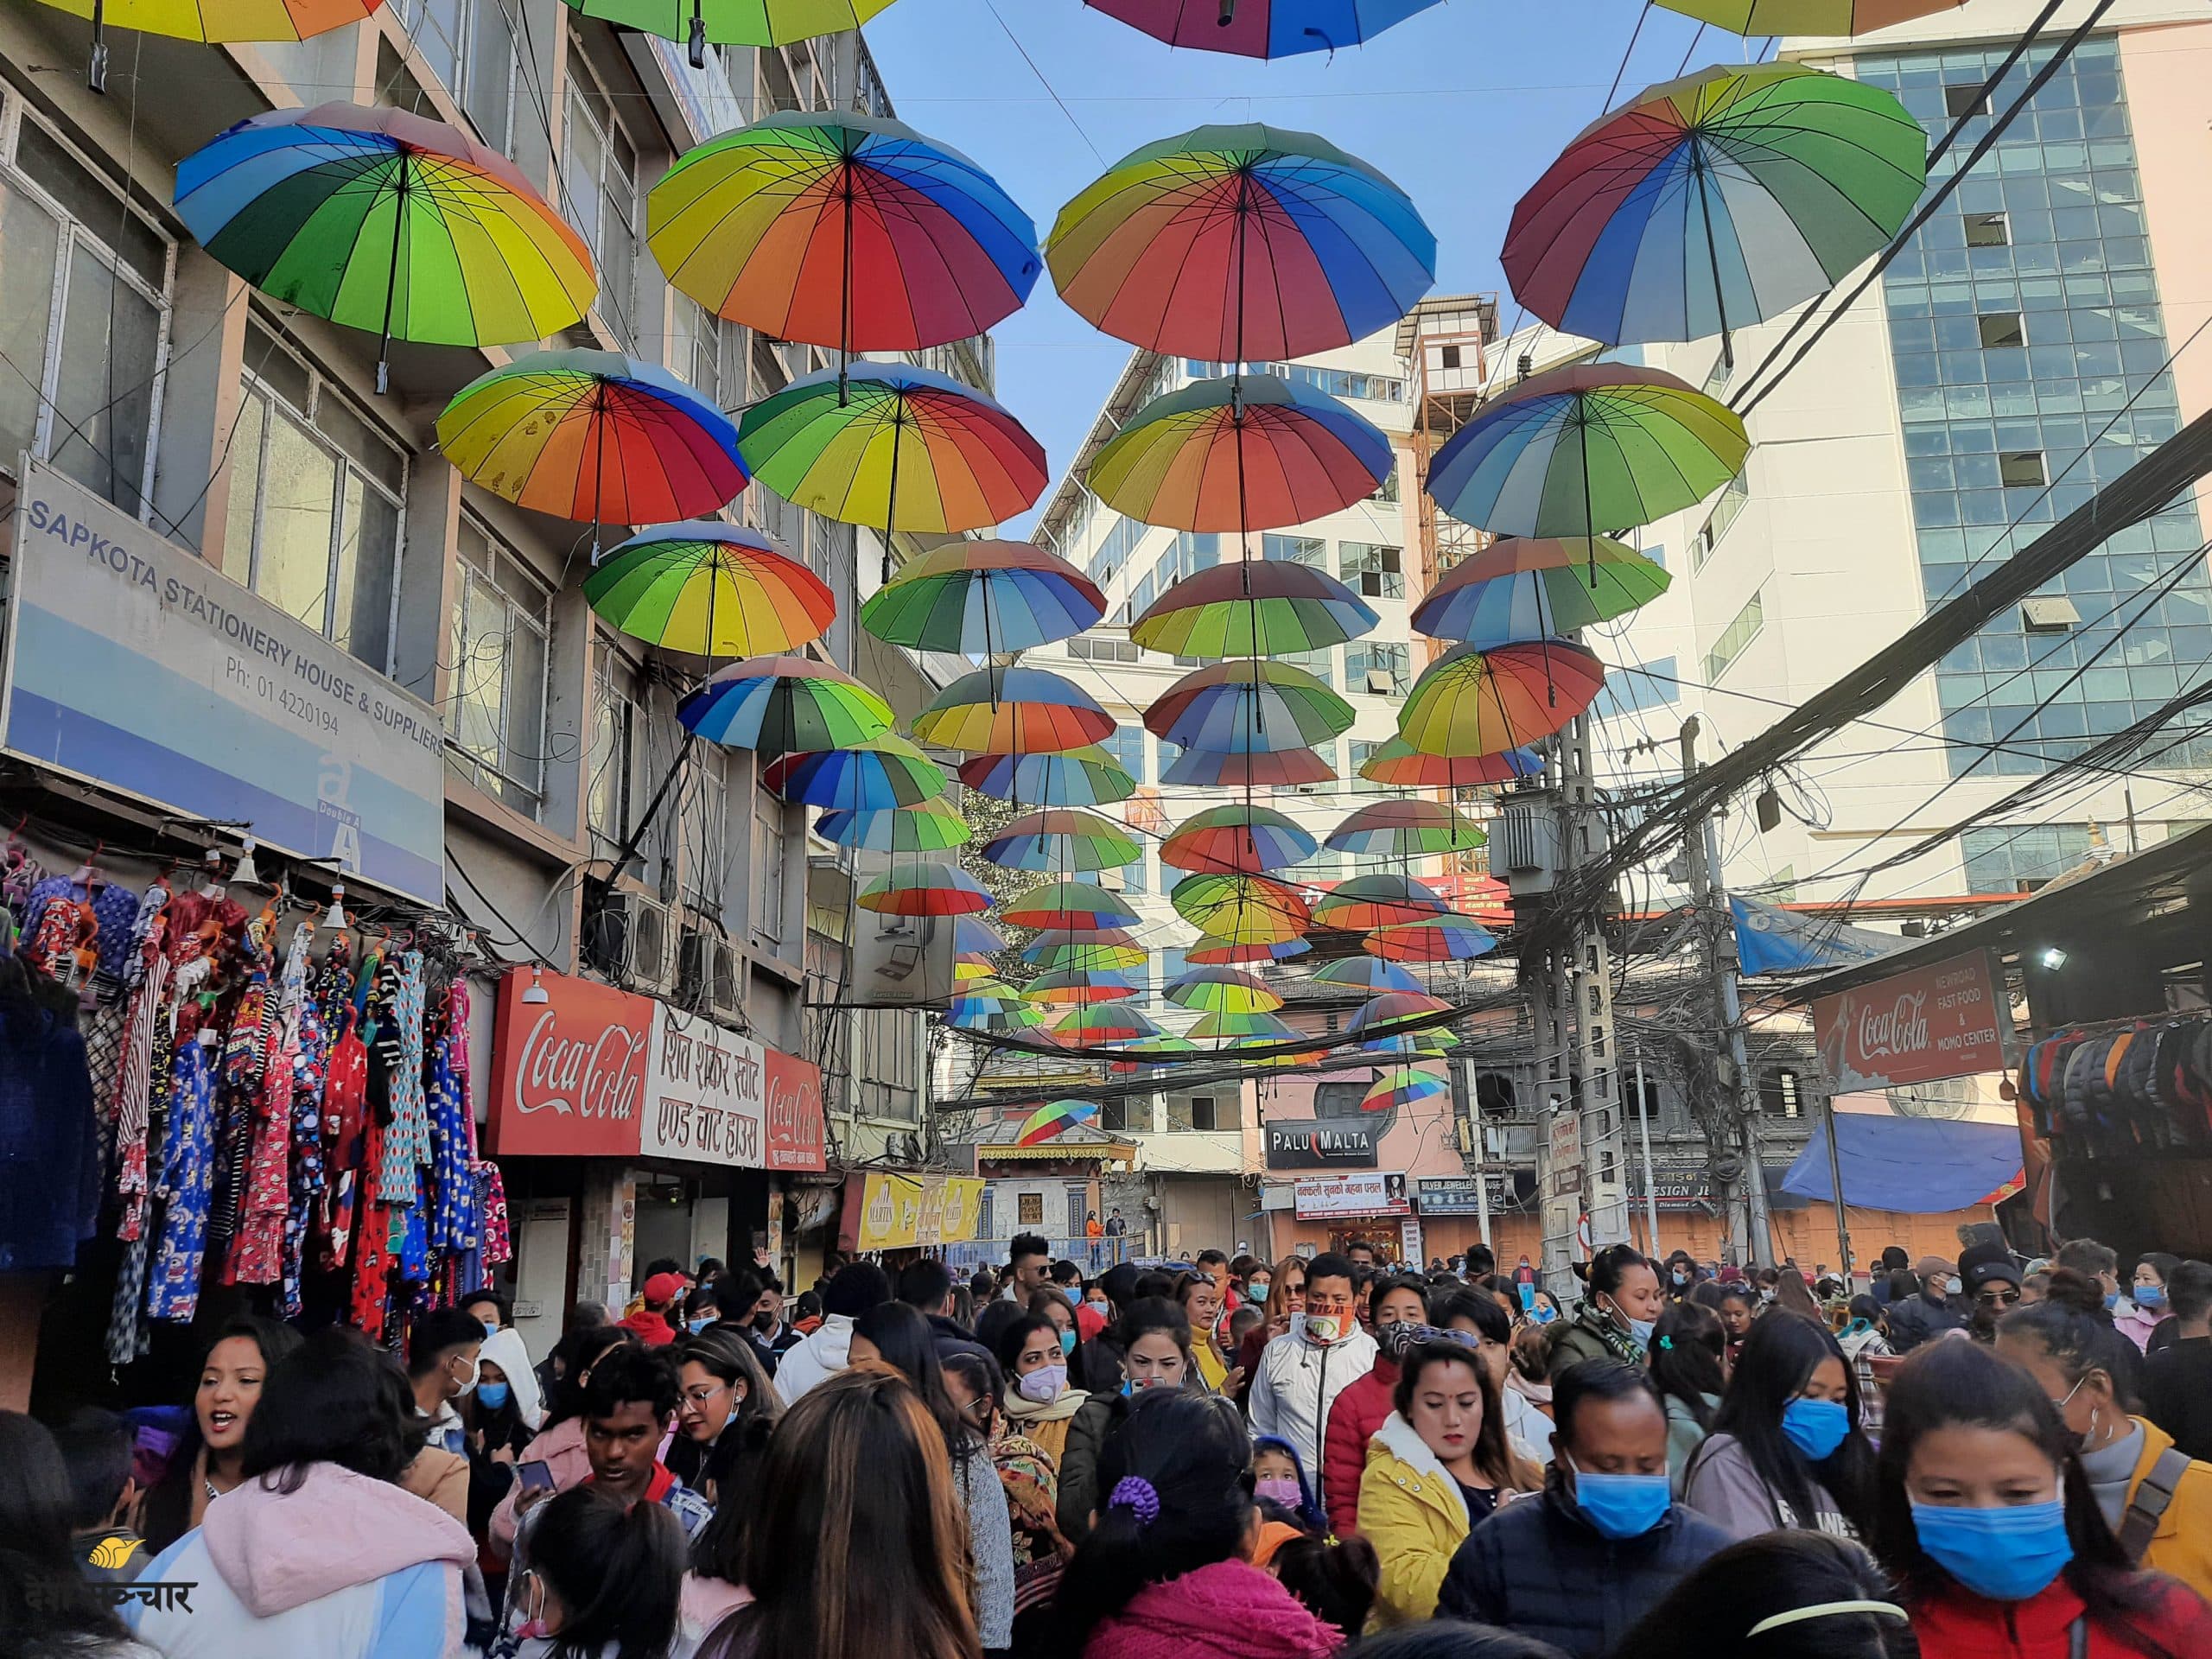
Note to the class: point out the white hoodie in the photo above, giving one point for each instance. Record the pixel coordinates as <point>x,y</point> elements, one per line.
<point>815,1357</point>
<point>1298,1380</point>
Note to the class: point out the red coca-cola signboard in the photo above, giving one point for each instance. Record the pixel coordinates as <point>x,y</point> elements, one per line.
<point>792,1089</point>
<point>1945,1020</point>
<point>569,1073</point>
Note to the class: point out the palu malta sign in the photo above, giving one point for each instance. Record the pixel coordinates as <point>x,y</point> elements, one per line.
<point>1948,1019</point>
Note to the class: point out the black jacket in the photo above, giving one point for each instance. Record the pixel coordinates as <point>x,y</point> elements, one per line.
<point>1916,1319</point>
<point>1538,1568</point>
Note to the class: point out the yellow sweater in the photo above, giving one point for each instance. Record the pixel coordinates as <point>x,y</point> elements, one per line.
<point>2182,1544</point>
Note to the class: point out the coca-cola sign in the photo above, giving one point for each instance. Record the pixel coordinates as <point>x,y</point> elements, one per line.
<point>794,1111</point>
<point>569,1073</point>
<point>1945,1020</point>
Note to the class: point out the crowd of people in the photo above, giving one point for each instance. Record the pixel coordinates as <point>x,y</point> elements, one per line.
<point>1223,1459</point>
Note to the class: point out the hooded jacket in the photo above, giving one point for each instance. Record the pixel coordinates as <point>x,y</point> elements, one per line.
<point>344,1567</point>
<point>1412,1511</point>
<point>1354,1417</point>
<point>1297,1381</point>
<point>815,1358</point>
<point>1226,1610</point>
<point>1959,1625</point>
<point>504,1348</point>
<point>561,1449</point>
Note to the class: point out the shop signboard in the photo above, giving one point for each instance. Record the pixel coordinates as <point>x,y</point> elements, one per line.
<point>705,1105</point>
<point>963,1206</point>
<point>928,1229</point>
<point>881,1211</point>
<point>1309,1143</point>
<point>1456,1195</point>
<point>1372,1193</point>
<point>795,1137</point>
<point>1948,1019</point>
<point>569,1073</point>
<point>135,664</point>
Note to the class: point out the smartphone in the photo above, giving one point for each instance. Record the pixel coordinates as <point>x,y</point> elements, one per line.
<point>535,1476</point>
<point>1528,1297</point>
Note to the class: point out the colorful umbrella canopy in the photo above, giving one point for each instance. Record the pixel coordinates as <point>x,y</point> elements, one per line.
<point>1365,974</point>
<point>1406,830</point>
<point>1471,701</point>
<point>384,221</point>
<point>1526,587</point>
<point>1075,905</point>
<point>981,598</point>
<point>216,20</point>
<point>1085,777</point>
<point>780,704</point>
<point>1392,1006</point>
<point>1070,989</point>
<point>1222,990</point>
<point>1401,765</point>
<point>1012,710</point>
<point>1240,245</point>
<point>712,589</point>
<point>1433,938</point>
<point>1246,706</point>
<point>1253,607</point>
<point>991,990</point>
<point>993,1017</point>
<point>970,935</point>
<point>1404,1085</point>
<point>1238,837</point>
<point>969,965</point>
<point>1104,1024</point>
<point>1379,900</point>
<point>1252,452</point>
<point>1413,1046</point>
<point>1240,909</point>
<point>1585,450</point>
<point>1713,202</point>
<point>733,22</point>
<point>1247,1030</point>
<point>1283,769</point>
<point>932,887</point>
<point>593,435</point>
<point>1210,952</point>
<point>1131,1056</point>
<point>1835,17</point>
<point>846,231</point>
<point>1054,1118</point>
<point>1262,28</point>
<point>878,772</point>
<point>1058,950</point>
<point>1062,839</point>
<point>931,826</point>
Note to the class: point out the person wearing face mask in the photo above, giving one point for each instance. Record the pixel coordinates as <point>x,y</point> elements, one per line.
<point>1940,1307</point>
<point>604,1578</point>
<point>723,1416</point>
<point>2156,1499</point>
<point>1285,1299</point>
<point>1681,1276</point>
<point>2147,1307</point>
<point>1399,1303</point>
<point>442,1369</point>
<point>1605,1543</point>
<point>1033,1352</point>
<point>1614,1321</point>
<point>1990,1529</point>
<point>1301,1372</point>
<point>489,1307</point>
<point>1153,1338</point>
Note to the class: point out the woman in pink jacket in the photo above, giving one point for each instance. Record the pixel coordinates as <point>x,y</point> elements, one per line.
<point>1355,1415</point>
<point>559,1444</point>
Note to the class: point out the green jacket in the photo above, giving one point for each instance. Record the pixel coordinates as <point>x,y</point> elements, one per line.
<point>1585,1338</point>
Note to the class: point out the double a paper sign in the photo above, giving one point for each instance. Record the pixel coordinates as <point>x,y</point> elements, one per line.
<point>135,664</point>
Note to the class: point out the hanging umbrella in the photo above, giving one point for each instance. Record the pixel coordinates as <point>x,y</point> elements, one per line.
<point>1061,839</point>
<point>780,704</point>
<point>847,230</point>
<point>980,598</point>
<point>1379,900</point>
<point>1085,777</point>
<point>391,223</point>
<point>1831,17</point>
<point>1222,990</point>
<point>1471,701</point>
<point>1103,1024</point>
<point>1159,1050</point>
<point>1012,710</point>
<point>1252,452</point>
<point>1525,587</point>
<point>931,826</point>
<point>1401,765</point>
<point>211,21</point>
<point>1585,450</point>
<point>1433,938</point>
<point>1240,909</point>
<point>1369,974</point>
<point>992,1016</point>
<point>969,935</point>
<point>1072,989</point>
<point>1240,245</point>
<point>1245,705</point>
<point>1413,1046</point>
<point>1060,951</point>
<point>1238,837</point>
<point>988,990</point>
<point>1054,1118</point>
<point>1253,607</point>
<point>1406,830</point>
<point>1211,952</point>
<point>1404,1085</point>
<point>1282,769</point>
<point>733,22</point>
<point>969,965</point>
<point>593,436</point>
<point>929,888</point>
<point>1392,1007</point>
<point>1262,28</point>
<point>711,590</point>
<point>1248,1030</point>
<point>878,772</point>
<point>1713,202</point>
<point>1075,905</point>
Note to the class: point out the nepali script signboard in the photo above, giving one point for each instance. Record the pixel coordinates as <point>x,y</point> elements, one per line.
<point>719,1098</point>
<point>136,665</point>
<point>1948,1019</point>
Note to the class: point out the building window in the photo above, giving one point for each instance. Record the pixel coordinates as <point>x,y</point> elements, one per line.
<point>2021,469</point>
<point>1380,668</point>
<point>1202,1112</point>
<point>1733,494</point>
<point>1362,751</point>
<point>1372,570</point>
<point>1450,354</point>
<point>1295,549</point>
<point>1964,100</point>
<point>1104,648</point>
<point>1387,489</point>
<point>2021,858</point>
<point>709,353</point>
<point>1644,685</point>
<point>1988,230</point>
<point>1126,745</point>
<point>471,48</point>
<point>2001,329</point>
<point>600,167</point>
<point>495,702</point>
<point>314,507</point>
<point>985,1220</point>
<point>84,312</point>
<point>705,832</point>
<point>1733,637</point>
<point>1321,664</point>
<point>1338,1099</point>
<point>1029,1210</point>
<point>770,849</point>
<point>616,788</point>
<point>1780,1094</point>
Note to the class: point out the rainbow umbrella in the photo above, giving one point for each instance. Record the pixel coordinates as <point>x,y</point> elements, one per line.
<point>1012,710</point>
<point>1253,607</point>
<point>1833,17</point>
<point>1252,452</point>
<point>931,826</point>
<point>1160,1051</point>
<point>970,965</point>
<point>1062,839</point>
<point>1080,989</point>
<point>1585,450</point>
<point>1433,938</point>
<point>210,21</point>
<point>1104,1024</point>
<point>1404,1085</point>
<point>1282,769</point>
<point>392,223</point>
<point>1240,909</point>
<point>1413,1046</point>
<point>593,435</point>
<point>1210,952</point>
<point>846,231</point>
<point>1054,1118</point>
<point>780,704</point>
<point>1713,202</point>
<point>1369,974</point>
<point>1247,705</point>
<point>931,888</point>
<point>1238,837</point>
<point>1074,906</point>
<point>1240,245</point>
<point>980,598</point>
<point>988,990</point>
<point>878,772</point>
<point>1401,765</point>
<point>1262,28</point>
<point>1222,990</point>
<point>1252,1029</point>
<point>1085,777</point>
<point>712,589</point>
<point>1525,587</point>
<point>1472,701</point>
<point>733,22</point>
<point>1061,952</point>
<point>969,935</point>
<point>992,1015</point>
<point>1392,1007</point>
<point>1406,830</point>
<point>1380,900</point>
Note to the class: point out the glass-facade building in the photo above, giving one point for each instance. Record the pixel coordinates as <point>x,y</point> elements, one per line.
<point>2029,352</point>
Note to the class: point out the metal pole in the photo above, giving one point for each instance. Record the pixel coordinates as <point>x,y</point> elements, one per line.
<point>1482,1161</point>
<point>1650,1181</point>
<point>1835,1177</point>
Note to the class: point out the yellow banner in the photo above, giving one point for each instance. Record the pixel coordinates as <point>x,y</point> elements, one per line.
<point>963,1204</point>
<point>927,1230</point>
<point>890,1212</point>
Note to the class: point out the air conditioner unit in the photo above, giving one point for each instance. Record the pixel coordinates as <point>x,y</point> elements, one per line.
<point>725,991</point>
<point>625,938</point>
<point>706,971</point>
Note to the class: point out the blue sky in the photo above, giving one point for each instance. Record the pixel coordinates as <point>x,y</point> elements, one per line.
<point>1463,106</point>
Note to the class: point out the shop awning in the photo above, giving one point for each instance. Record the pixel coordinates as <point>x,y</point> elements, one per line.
<point>1917,1165</point>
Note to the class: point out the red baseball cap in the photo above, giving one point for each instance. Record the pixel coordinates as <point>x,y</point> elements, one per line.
<point>665,1286</point>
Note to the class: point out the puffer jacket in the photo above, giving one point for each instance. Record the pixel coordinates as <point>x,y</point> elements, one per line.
<point>1584,1338</point>
<point>1962,1625</point>
<point>1297,1382</point>
<point>1354,1417</point>
<point>1416,1517</point>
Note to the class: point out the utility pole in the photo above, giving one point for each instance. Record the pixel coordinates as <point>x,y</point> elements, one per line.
<point>1748,1224</point>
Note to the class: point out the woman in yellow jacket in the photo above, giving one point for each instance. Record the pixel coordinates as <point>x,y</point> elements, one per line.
<point>1440,1466</point>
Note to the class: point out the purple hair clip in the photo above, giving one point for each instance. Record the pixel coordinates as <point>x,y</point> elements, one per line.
<point>1136,1493</point>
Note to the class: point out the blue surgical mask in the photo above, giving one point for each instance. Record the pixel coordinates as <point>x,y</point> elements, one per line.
<point>2150,1295</point>
<point>1073,1293</point>
<point>2007,1554</point>
<point>1257,1289</point>
<point>698,1324</point>
<point>492,1396</point>
<point>1642,1329</point>
<point>1067,1342</point>
<point>2112,1299</point>
<point>1623,1506</point>
<point>1815,1428</point>
<point>490,1327</point>
<point>1542,1313</point>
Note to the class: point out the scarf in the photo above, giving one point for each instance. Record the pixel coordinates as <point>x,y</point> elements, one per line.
<point>1618,1343</point>
<point>1022,1409</point>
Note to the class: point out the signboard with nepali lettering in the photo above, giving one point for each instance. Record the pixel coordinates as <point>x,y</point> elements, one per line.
<point>1948,1019</point>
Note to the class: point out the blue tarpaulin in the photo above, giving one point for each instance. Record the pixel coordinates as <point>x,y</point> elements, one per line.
<point>1772,940</point>
<point>1913,1164</point>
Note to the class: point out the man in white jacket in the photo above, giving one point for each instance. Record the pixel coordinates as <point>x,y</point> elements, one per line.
<point>1301,1373</point>
<point>823,1352</point>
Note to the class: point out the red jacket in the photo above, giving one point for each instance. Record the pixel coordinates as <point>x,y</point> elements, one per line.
<point>649,1326</point>
<point>1962,1625</point>
<point>1354,1417</point>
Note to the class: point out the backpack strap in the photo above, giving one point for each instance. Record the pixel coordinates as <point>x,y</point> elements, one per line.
<point>2148,1503</point>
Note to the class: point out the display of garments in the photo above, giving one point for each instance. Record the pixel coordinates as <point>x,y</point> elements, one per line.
<point>134,1083</point>
<point>188,1175</point>
<point>399,1045</point>
<point>101,919</point>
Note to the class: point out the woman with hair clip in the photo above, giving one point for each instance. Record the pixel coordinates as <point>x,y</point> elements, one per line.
<point>1786,1449</point>
<point>728,1409</point>
<point>603,1578</point>
<point>1166,1572</point>
<point>1686,1348</point>
<point>1989,1527</point>
<point>2157,1500</point>
<point>1614,1321</point>
<point>1782,1595</point>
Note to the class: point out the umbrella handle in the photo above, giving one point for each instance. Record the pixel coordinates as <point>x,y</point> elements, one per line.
<point>698,38</point>
<point>1228,14</point>
<point>96,67</point>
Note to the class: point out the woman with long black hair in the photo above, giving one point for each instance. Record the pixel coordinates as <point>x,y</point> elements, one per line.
<point>603,1577</point>
<point>1786,1449</point>
<point>49,1609</point>
<point>209,1456</point>
<point>1686,1350</point>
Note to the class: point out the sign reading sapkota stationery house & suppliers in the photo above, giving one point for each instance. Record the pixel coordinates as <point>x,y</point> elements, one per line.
<point>1948,1020</point>
<point>569,1073</point>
